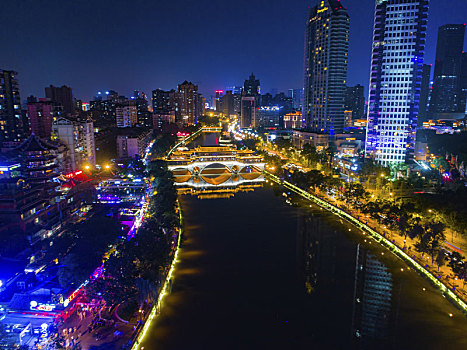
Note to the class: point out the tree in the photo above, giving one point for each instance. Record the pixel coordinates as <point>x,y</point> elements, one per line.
<point>310,154</point>
<point>440,259</point>
<point>414,228</point>
<point>354,193</point>
<point>430,241</point>
<point>330,151</point>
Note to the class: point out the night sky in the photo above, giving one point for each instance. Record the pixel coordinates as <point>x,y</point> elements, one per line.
<point>146,44</point>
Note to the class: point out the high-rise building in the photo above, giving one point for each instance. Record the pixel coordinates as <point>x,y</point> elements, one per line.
<point>140,100</point>
<point>126,116</point>
<point>250,102</point>
<point>237,104</point>
<point>395,79</point>
<point>297,97</point>
<point>251,87</point>
<point>249,111</point>
<point>78,136</point>
<point>463,97</point>
<point>189,103</point>
<point>12,128</point>
<point>163,101</point>
<point>62,96</point>
<point>326,55</point>
<point>446,94</point>
<point>424,93</point>
<point>228,103</point>
<point>40,115</point>
<point>355,101</point>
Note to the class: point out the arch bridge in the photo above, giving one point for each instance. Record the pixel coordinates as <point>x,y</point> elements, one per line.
<point>215,166</point>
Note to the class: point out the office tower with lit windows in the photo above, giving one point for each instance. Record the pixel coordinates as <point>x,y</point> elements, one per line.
<point>446,94</point>
<point>12,128</point>
<point>395,79</point>
<point>326,55</point>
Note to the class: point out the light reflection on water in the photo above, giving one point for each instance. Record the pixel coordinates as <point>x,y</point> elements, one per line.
<point>256,273</point>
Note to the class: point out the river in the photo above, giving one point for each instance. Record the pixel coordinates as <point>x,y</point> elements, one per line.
<point>257,273</point>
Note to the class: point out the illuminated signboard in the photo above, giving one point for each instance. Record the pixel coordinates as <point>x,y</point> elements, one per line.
<point>34,305</point>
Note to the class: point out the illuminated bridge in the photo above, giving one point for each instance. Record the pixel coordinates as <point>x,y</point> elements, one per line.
<point>215,166</point>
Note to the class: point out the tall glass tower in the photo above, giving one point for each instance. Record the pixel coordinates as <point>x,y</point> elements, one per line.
<point>446,94</point>
<point>395,80</point>
<point>326,55</point>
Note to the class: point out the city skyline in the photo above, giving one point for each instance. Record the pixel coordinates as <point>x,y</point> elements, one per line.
<point>87,62</point>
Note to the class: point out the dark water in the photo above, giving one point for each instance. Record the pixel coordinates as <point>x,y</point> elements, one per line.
<point>256,273</point>
<point>206,139</point>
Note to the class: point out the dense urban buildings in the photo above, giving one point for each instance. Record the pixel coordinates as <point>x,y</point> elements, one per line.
<point>95,191</point>
<point>447,86</point>
<point>396,71</point>
<point>12,128</point>
<point>326,55</point>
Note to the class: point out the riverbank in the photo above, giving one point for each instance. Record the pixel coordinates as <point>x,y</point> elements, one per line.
<point>454,298</point>
<point>166,288</point>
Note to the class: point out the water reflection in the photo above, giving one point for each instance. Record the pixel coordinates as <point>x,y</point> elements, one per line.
<point>351,278</point>
<point>373,319</point>
<point>215,171</point>
<point>255,273</point>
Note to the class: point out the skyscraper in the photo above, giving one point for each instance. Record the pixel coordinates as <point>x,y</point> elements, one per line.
<point>424,93</point>
<point>355,101</point>
<point>395,79</point>
<point>463,97</point>
<point>446,92</point>
<point>326,50</point>
<point>250,101</point>
<point>12,128</point>
<point>251,87</point>
<point>62,96</point>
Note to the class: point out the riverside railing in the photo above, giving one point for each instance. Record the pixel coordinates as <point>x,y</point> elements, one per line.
<point>165,288</point>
